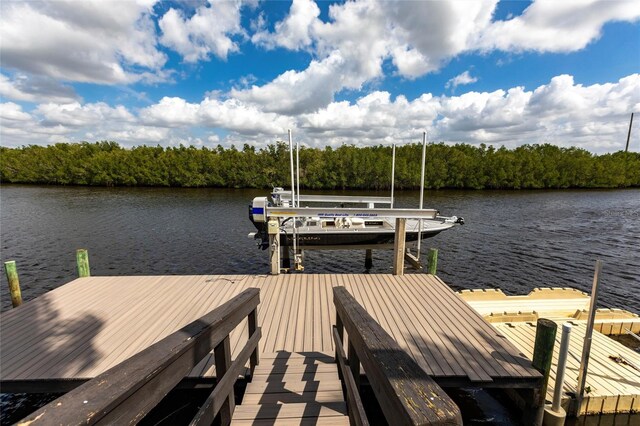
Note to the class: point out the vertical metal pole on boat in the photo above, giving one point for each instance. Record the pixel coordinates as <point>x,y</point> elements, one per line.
<point>393,171</point>
<point>424,156</point>
<point>297,257</point>
<point>293,195</point>
<point>562,366</point>
<point>586,348</point>
<point>293,182</point>
<point>298,173</point>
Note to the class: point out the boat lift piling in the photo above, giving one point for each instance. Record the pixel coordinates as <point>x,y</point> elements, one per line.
<point>273,229</point>
<point>297,258</point>
<point>414,260</point>
<point>424,157</point>
<point>399,246</point>
<point>393,171</point>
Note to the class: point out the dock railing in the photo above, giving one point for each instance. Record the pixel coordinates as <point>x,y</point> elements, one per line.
<point>127,392</point>
<point>406,394</point>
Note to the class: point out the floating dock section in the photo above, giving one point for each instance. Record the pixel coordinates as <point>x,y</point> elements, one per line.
<point>613,379</point>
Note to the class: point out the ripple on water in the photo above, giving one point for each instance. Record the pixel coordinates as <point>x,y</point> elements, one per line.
<point>512,240</point>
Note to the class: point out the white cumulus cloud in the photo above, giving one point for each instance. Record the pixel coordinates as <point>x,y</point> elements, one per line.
<point>208,31</point>
<point>35,89</point>
<point>460,79</point>
<point>417,37</point>
<point>562,112</point>
<point>88,41</point>
<point>551,26</point>
<point>295,31</point>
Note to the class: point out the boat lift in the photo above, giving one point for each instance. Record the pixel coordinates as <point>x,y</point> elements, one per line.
<point>274,215</point>
<point>288,206</point>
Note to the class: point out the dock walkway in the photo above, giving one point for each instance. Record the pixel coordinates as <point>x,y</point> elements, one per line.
<point>293,388</point>
<point>89,325</point>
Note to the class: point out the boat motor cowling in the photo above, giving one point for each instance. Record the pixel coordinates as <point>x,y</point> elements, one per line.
<point>259,209</point>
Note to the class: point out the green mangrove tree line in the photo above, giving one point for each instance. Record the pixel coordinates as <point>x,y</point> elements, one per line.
<point>347,167</point>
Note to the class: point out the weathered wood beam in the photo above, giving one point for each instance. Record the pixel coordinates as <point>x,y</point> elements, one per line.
<point>405,392</point>
<point>224,388</point>
<point>357,415</point>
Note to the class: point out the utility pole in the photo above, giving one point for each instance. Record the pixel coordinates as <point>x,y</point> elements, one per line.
<point>629,134</point>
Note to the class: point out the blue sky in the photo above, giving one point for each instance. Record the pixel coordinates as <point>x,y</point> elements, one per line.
<point>362,72</point>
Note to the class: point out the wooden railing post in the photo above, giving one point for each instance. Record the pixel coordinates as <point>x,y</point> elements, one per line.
<point>354,364</point>
<point>252,319</point>
<point>340,330</point>
<point>222,354</point>
<point>355,409</point>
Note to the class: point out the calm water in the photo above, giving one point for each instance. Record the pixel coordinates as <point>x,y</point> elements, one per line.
<point>512,240</point>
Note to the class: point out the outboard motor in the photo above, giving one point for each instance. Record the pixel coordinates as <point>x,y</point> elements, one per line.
<point>257,216</point>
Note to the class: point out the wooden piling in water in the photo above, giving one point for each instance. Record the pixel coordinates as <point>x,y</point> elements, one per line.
<point>368,259</point>
<point>432,261</point>
<point>14,283</point>
<point>82,261</point>
<point>399,246</point>
<point>542,356</point>
<point>286,258</point>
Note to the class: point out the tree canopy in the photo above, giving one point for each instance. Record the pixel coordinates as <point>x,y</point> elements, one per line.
<point>107,163</point>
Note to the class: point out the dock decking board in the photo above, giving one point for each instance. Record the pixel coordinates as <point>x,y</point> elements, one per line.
<point>614,387</point>
<point>89,325</point>
<point>293,387</point>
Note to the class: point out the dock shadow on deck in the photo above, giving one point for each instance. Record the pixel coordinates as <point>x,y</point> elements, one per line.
<point>52,343</point>
<point>85,327</point>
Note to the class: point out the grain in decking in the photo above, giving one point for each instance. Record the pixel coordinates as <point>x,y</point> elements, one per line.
<point>446,337</point>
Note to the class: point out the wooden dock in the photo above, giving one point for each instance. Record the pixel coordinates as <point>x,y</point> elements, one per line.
<point>293,388</point>
<point>91,324</point>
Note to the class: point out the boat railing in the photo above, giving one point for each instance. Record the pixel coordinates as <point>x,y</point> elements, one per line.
<point>405,392</point>
<point>338,199</point>
<point>127,392</point>
<point>322,212</point>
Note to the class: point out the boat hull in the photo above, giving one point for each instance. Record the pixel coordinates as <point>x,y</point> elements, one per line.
<point>349,238</point>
